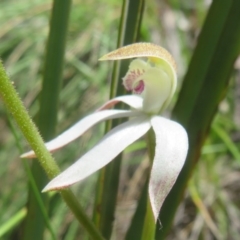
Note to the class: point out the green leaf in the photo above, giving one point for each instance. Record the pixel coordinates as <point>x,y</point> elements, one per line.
<point>204,86</point>
<point>47,118</point>
<point>227,140</point>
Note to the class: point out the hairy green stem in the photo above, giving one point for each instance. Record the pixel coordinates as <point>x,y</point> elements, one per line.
<point>32,182</point>
<point>15,106</point>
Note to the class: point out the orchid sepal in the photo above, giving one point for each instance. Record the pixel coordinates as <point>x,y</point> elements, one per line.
<point>170,154</point>
<point>134,101</point>
<point>80,128</point>
<point>113,143</point>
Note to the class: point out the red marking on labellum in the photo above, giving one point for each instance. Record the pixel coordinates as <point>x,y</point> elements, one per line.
<point>139,88</point>
<point>130,78</point>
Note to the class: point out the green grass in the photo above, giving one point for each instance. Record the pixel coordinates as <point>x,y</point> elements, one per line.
<point>212,198</point>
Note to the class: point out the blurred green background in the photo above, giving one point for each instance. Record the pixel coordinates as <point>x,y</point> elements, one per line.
<point>210,207</point>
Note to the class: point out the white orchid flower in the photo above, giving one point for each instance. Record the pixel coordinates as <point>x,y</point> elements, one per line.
<point>153,83</point>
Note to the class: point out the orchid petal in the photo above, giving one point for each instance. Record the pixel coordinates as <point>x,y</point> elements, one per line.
<point>170,154</point>
<point>105,151</point>
<point>133,101</point>
<point>80,127</point>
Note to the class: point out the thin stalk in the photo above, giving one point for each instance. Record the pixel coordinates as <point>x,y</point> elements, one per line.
<point>229,143</point>
<point>31,180</point>
<point>136,228</point>
<point>149,226</point>
<point>79,213</point>
<point>12,222</point>
<point>29,130</point>
<point>25,123</point>
<point>197,199</point>
<point>142,227</point>
<point>105,201</point>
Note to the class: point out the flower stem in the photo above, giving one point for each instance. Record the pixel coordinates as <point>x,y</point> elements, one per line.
<point>17,109</point>
<point>149,222</point>
<point>33,185</point>
<point>15,106</point>
<point>106,194</point>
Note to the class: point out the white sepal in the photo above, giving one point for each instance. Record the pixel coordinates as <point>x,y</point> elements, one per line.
<point>170,154</point>
<point>81,127</point>
<point>133,101</point>
<point>113,143</point>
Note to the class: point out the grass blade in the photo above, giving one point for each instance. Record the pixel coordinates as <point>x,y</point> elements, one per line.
<point>13,221</point>
<point>106,196</point>
<point>47,118</point>
<point>32,182</point>
<point>204,86</point>
<point>233,149</point>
